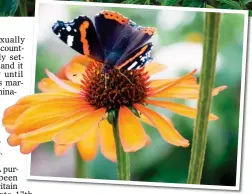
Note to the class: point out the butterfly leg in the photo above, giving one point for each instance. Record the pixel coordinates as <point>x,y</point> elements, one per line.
<point>124,76</point>
<point>106,80</point>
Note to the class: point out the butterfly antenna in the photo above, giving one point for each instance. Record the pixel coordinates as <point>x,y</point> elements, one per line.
<point>124,76</point>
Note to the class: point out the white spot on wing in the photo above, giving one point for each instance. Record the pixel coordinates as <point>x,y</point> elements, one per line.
<point>132,65</point>
<point>70,40</point>
<point>68,28</point>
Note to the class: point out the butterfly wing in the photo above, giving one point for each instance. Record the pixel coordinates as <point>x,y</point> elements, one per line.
<point>138,58</point>
<point>119,36</point>
<point>80,34</point>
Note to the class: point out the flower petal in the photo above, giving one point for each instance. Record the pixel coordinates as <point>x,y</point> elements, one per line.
<point>76,68</point>
<point>146,120</point>
<point>45,134</point>
<point>183,91</point>
<point>132,134</point>
<point>13,140</point>
<point>179,109</point>
<point>61,73</point>
<point>159,82</point>
<point>74,72</point>
<point>154,67</point>
<point>107,140</point>
<point>168,86</point>
<point>44,97</point>
<point>11,114</point>
<point>88,146</point>
<point>148,140</point>
<point>27,148</point>
<point>61,83</point>
<point>48,85</point>
<point>218,89</point>
<point>45,114</point>
<point>164,126</point>
<point>78,130</point>
<point>61,150</point>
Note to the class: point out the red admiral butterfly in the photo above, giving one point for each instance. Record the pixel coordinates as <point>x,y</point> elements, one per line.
<point>114,40</point>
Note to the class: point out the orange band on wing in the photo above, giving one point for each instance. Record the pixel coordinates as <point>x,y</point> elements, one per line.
<point>115,16</point>
<point>83,31</point>
<point>149,30</point>
<point>134,57</point>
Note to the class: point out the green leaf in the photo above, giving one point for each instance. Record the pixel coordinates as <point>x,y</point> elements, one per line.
<point>186,3</point>
<point>246,1</point>
<point>192,3</point>
<point>232,4</point>
<point>171,2</point>
<point>8,7</point>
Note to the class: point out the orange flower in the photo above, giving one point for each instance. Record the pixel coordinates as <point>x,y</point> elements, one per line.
<point>73,109</point>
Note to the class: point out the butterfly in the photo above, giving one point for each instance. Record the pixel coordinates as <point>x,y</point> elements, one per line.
<point>112,39</point>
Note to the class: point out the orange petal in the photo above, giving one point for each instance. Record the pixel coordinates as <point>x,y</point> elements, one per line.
<point>48,85</point>
<point>148,140</point>
<point>13,140</point>
<point>75,68</point>
<point>185,92</point>
<point>164,126</point>
<point>61,73</point>
<point>88,146</point>
<point>154,67</point>
<point>44,114</point>
<point>45,134</point>
<point>78,130</point>
<point>44,97</point>
<point>62,83</point>
<point>156,83</point>
<point>27,148</point>
<point>146,120</point>
<point>181,91</point>
<point>218,89</point>
<point>75,71</point>
<point>61,150</point>
<point>11,114</point>
<point>168,86</point>
<point>107,140</point>
<point>179,109</point>
<point>132,134</point>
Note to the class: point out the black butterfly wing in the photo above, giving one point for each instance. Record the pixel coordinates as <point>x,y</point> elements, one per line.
<point>138,58</point>
<point>119,36</point>
<point>80,34</point>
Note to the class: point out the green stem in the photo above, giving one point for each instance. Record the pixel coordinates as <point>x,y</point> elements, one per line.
<point>23,8</point>
<point>80,166</point>
<point>123,158</point>
<point>211,36</point>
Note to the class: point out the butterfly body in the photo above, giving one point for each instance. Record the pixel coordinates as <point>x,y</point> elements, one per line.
<point>112,39</point>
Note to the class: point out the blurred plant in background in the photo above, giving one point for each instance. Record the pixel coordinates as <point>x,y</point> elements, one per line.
<point>17,7</point>
<point>27,7</point>
<point>178,45</point>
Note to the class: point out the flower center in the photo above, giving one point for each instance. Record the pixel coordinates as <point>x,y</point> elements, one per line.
<point>117,88</point>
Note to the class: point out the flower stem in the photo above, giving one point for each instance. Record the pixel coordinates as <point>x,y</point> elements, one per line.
<point>23,8</point>
<point>211,36</point>
<point>123,158</point>
<point>80,166</point>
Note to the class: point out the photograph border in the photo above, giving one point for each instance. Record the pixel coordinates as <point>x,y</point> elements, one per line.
<point>141,183</point>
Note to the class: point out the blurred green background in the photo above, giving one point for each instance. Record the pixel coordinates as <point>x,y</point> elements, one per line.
<point>178,44</point>
<point>26,7</point>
